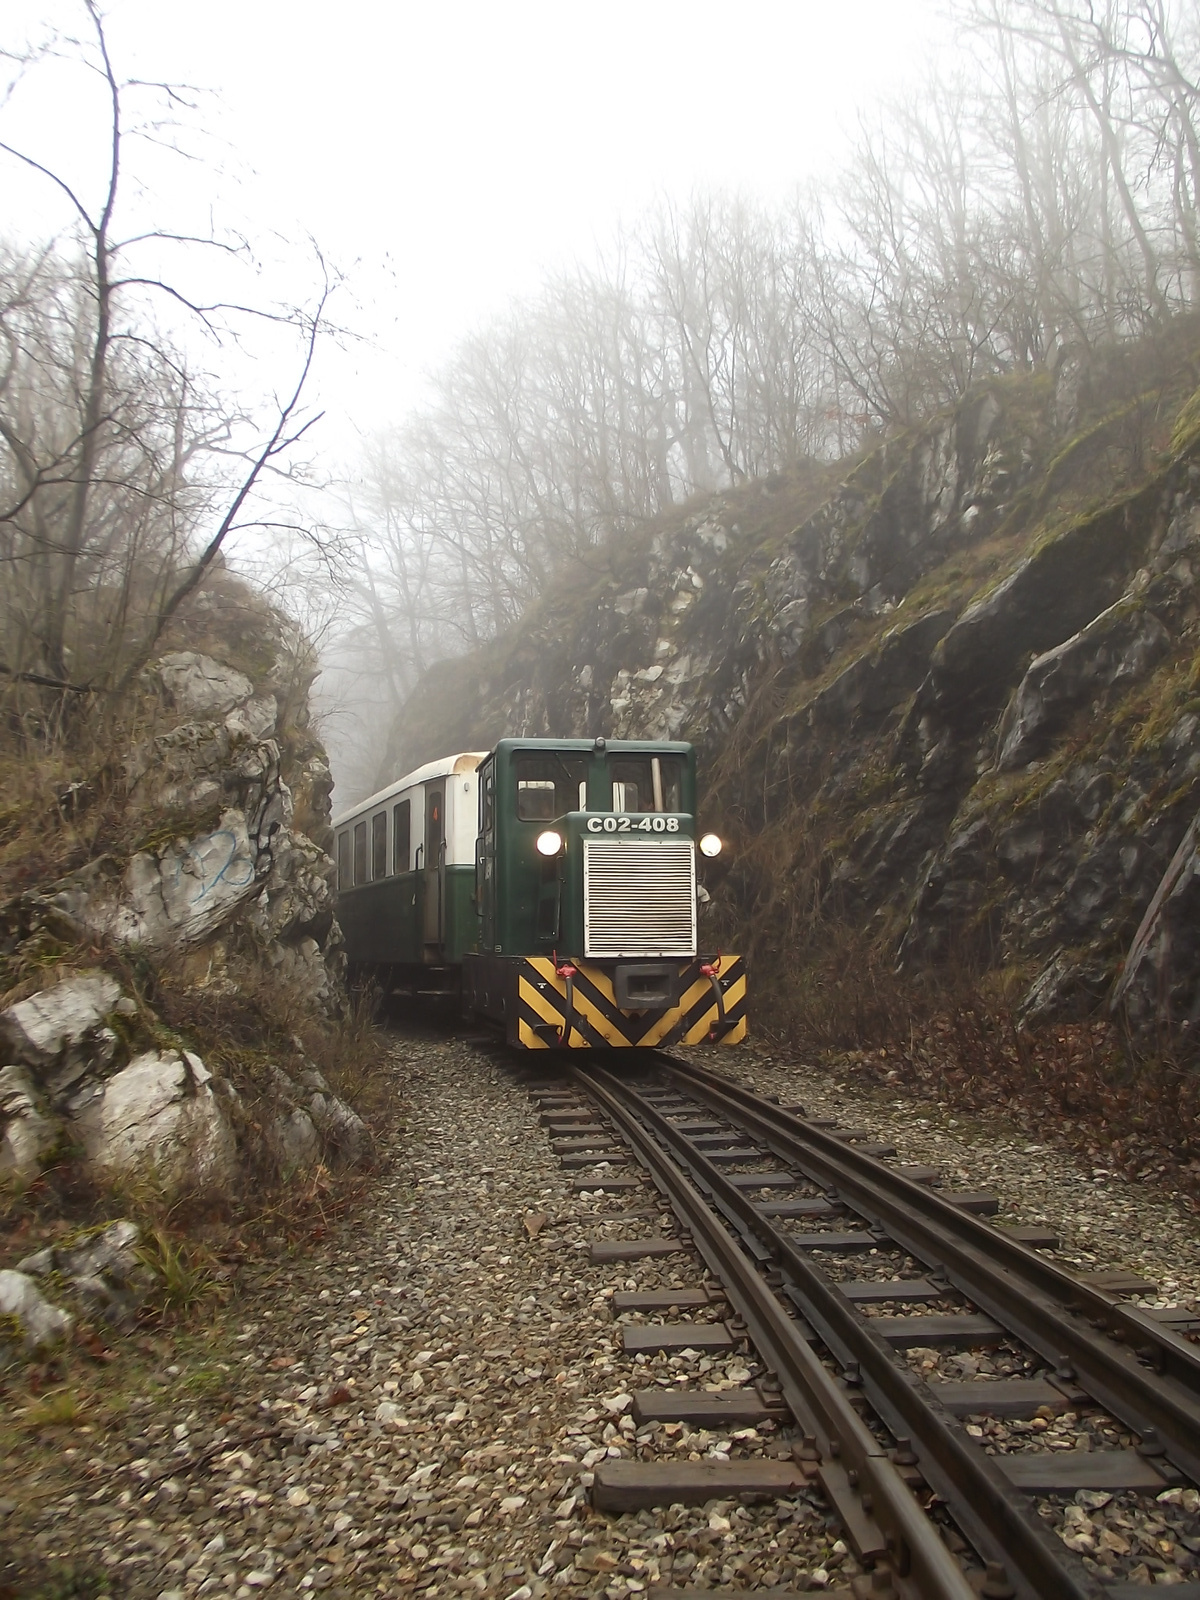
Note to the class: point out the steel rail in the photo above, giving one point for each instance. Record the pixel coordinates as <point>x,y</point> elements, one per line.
<point>1041,1304</point>
<point>917,1553</point>
<point>996,1517</point>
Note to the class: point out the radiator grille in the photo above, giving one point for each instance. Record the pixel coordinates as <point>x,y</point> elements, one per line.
<point>639,897</point>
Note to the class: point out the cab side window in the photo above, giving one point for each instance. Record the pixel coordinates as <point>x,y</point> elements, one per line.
<point>360,852</point>
<point>379,845</point>
<point>344,880</point>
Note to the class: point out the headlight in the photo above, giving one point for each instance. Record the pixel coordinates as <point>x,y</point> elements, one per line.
<point>550,843</point>
<point>710,845</point>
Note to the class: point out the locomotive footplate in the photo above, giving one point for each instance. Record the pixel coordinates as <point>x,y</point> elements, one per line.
<point>546,1004</point>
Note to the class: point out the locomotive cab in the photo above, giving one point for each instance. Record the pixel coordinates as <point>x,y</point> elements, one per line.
<point>586,893</point>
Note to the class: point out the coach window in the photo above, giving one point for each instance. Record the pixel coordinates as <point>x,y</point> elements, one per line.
<point>647,783</point>
<point>379,845</point>
<point>550,786</point>
<point>401,835</point>
<point>360,852</point>
<point>343,860</point>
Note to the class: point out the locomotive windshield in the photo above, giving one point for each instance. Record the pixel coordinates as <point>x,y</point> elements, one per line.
<point>549,786</point>
<point>647,783</point>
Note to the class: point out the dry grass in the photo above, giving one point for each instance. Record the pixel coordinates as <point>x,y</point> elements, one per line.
<point>953,1034</point>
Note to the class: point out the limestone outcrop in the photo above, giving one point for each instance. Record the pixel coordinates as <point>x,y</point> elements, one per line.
<point>152,1115</point>
<point>225,853</point>
<point>215,879</point>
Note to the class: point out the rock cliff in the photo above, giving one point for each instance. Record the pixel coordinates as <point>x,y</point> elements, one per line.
<point>946,694</point>
<point>170,935</point>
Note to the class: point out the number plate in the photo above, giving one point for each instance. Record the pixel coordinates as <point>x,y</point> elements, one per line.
<point>619,823</point>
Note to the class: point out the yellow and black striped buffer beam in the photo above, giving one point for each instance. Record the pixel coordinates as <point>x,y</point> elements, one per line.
<point>592,1020</point>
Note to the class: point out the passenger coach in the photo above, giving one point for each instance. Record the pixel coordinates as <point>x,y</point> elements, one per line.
<point>554,883</point>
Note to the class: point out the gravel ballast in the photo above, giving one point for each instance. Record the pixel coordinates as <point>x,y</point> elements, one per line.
<point>416,1404</point>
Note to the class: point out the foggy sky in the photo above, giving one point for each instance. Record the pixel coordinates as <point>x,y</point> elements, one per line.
<point>446,156</point>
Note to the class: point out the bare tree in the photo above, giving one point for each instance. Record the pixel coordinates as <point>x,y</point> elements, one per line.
<point>123,472</point>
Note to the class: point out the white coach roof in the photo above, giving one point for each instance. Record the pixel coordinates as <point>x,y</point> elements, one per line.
<point>444,767</point>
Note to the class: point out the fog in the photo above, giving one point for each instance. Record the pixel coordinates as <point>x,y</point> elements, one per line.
<point>573,265</point>
<point>445,156</point>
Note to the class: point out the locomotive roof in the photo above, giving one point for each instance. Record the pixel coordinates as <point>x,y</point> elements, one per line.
<point>444,767</point>
<point>588,746</point>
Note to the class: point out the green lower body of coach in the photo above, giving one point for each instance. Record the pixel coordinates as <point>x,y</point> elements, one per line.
<point>417,926</point>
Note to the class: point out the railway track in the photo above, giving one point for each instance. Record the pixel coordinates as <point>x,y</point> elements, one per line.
<point>762,1195</point>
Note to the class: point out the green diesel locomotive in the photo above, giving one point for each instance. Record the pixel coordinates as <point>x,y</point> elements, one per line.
<point>553,884</point>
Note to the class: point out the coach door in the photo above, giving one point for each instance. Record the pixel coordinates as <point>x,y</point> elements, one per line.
<point>434,869</point>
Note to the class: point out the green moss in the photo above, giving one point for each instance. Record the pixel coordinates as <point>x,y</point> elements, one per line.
<point>1155,708</point>
<point>176,826</point>
<point>1185,435</point>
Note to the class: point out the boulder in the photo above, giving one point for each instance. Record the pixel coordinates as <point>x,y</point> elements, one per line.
<point>103,1270</point>
<point>876,683</point>
<point>1052,594</point>
<point>1159,975</point>
<point>200,686</point>
<point>341,1127</point>
<point>42,1325</point>
<point>1031,846</point>
<point>61,1031</point>
<point>296,897</point>
<point>29,1135</point>
<point>179,895</point>
<point>255,720</point>
<point>294,1140</point>
<point>1120,646</point>
<point>158,1118</point>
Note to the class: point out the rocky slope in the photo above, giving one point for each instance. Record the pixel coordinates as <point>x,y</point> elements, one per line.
<point>167,960</point>
<point>947,693</point>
